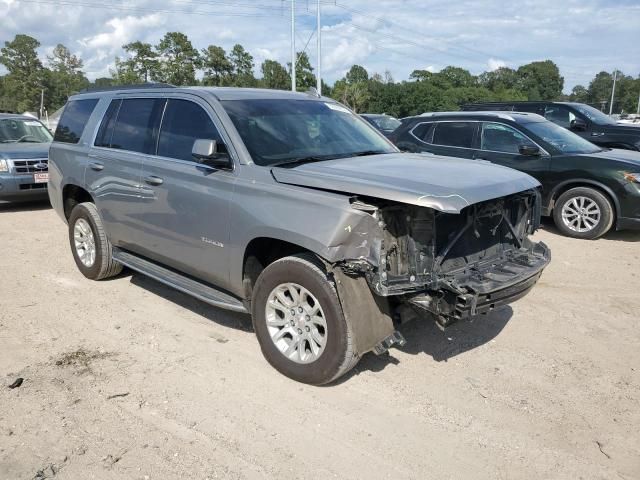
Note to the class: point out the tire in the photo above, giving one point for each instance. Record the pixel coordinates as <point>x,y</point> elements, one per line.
<point>591,201</point>
<point>337,355</point>
<point>84,216</point>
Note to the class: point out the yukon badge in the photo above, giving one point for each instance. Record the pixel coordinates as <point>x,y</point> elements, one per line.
<point>212,242</point>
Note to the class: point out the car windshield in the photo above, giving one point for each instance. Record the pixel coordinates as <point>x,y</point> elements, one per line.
<point>561,138</point>
<point>385,122</point>
<point>18,130</point>
<point>593,114</point>
<point>284,131</point>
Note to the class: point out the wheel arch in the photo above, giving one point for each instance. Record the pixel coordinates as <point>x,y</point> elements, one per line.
<point>72,195</point>
<point>574,183</point>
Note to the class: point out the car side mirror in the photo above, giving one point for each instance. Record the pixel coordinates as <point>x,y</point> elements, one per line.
<point>211,153</point>
<point>578,124</point>
<point>529,150</point>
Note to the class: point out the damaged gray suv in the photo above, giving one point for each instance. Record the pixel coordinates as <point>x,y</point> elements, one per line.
<point>291,208</point>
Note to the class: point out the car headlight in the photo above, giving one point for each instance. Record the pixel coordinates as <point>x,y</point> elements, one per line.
<point>4,166</point>
<point>632,177</point>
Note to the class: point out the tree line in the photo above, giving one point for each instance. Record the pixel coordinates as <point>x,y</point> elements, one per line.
<point>175,60</point>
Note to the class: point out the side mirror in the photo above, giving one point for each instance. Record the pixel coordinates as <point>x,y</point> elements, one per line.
<point>211,153</point>
<point>578,124</point>
<point>529,150</point>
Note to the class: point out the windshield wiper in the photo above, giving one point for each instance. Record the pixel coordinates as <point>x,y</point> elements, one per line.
<point>301,160</point>
<point>366,153</point>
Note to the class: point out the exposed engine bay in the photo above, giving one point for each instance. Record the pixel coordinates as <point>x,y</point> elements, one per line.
<point>455,265</point>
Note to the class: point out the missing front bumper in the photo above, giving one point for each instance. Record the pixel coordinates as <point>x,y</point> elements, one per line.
<point>484,288</point>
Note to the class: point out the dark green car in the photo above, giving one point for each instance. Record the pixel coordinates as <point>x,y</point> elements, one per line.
<point>587,189</point>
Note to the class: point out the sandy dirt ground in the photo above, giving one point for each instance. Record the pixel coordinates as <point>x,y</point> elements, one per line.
<point>128,379</point>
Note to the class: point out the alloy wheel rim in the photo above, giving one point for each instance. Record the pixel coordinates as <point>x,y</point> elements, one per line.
<point>296,323</point>
<point>84,242</point>
<point>581,214</point>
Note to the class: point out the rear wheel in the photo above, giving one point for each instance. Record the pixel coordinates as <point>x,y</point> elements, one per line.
<point>299,322</point>
<point>91,249</point>
<point>583,212</point>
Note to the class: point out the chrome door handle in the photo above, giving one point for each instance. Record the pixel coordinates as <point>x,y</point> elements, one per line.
<point>96,166</point>
<point>153,180</point>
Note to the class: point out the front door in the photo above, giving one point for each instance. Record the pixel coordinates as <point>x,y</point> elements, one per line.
<point>500,144</point>
<point>186,204</point>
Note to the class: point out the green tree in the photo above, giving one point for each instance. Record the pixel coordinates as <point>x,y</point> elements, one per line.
<point>503,78</point>
<point>540,80</point>
<point>579,94</point>
<point>64,78</point>
<point>242,64</point>
<point>25,80</point>
<point>304,72</point>
<point>274,75</point>
<point>457,77</point>
<point>218,69</point>
<point>178,59</point>
<point>357,74</point>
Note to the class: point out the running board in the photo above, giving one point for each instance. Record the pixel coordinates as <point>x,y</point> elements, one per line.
<point>184,284</point>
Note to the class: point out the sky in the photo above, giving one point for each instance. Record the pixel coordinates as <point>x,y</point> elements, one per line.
<point>582,37</point>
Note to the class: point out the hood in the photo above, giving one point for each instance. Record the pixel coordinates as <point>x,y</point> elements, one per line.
<point>621,129</point>
<point>446,184</point>
<point>24,150</point>
<point>617,154</point>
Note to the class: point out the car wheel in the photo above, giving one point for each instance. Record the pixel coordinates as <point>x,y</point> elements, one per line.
<point>583,212</point>
<point>298,319</point>
<point>91,249</point>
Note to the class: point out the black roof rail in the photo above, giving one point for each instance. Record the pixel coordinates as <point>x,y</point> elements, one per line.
<point>127,87</point>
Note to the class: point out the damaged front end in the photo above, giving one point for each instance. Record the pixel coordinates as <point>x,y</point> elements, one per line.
<point>453,265</point>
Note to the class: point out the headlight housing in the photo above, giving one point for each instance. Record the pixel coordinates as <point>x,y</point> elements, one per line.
<point>632,177</point>
<point>4,165</point>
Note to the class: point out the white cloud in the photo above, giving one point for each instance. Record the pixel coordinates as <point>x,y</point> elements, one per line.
<point>495,64</point>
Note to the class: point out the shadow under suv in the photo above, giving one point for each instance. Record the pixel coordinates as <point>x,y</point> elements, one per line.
<point>290,207</point>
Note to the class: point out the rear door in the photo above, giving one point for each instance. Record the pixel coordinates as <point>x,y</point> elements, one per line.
<point>500,143</point>
<point>452,138</point>
<point>126,134</point>
<point>186,204</point>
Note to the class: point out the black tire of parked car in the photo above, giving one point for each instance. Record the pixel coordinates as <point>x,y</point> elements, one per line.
<point>606,213</point>
<point>339,355</point>
<point>104,266</point>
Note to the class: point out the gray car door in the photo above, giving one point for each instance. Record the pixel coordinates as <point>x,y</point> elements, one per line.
<point>114,169</point>
<point>186,204</point>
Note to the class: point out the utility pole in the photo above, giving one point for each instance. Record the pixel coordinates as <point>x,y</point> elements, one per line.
<point>41,113</point>
<point>638,111</point>
<point>319,40</point>
<point>613,91</point>
<point>293,45</point>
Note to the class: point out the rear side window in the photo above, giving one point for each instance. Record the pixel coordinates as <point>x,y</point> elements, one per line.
<point>73,120</point>
<point>182,124</point>
<point>423,131</point>
<point>454,134</point>
<point>105,132</point>
<point>135,125</point>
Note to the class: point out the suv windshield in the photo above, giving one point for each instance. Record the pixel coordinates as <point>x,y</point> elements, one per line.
<point>18,130</point>
<point>283,131</point>
<point>561,138</point>
<point>386,122</point>
<point>593,114</point>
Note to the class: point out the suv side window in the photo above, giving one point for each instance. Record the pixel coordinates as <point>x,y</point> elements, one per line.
<point>73,120</point>
<point>454,134</point>
<point>502,138</point>
<point>136,124</point>
<point>182,124</point>
<point>105,132</point>
<point>423,131</point>
<point>560,115</point>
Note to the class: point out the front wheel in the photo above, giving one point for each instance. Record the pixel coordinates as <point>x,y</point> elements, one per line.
<point>299,322</point>
<point>583,212</point>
